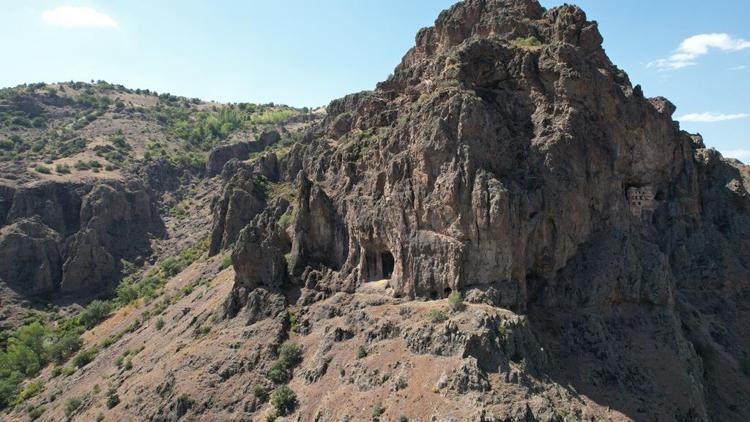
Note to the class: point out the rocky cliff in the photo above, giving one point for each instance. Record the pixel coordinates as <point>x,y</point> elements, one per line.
<point>509,159</point>
<point>71,237</point>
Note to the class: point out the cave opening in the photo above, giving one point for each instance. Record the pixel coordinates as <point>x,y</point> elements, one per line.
<point>386,258</point>
<point>379,264</point>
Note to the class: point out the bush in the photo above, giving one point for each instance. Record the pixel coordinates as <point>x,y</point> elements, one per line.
<point>290,355</point>
<point>35,412</point>
<point>361,352</point>
<point>62,169</point>
<point>436,315</point>
<point>31,390</point>
<point>527,42</point>
<point>378,410</point>
<point>112,398</point>
<point>43,169</point>
<point>72,405</point>
<point>456,301</point>
<point>260,393</point>
<point>278,372</point>
<point>84,358</point>
<point>283,400</point>
<point>160,323</point>
<point>82,165</point>
<point>183,404</point>
<point>226,262</point>
<point>96,312</point>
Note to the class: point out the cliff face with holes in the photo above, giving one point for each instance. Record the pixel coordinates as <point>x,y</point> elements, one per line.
<point>509,159</point>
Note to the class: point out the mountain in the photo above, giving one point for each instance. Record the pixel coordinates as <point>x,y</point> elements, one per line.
<point>504,229</point>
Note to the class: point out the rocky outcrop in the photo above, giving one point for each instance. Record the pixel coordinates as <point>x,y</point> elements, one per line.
<point>71,237</point>
<point>509,158</point>
<point>30,256</point>
<point>221,155</point>
<point>243,198</point>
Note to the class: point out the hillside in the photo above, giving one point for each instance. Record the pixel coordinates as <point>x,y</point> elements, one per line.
<point>505,229</point>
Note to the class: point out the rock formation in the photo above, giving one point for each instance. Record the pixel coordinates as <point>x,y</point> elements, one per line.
<point>508,158</point>
<point>71,237</point>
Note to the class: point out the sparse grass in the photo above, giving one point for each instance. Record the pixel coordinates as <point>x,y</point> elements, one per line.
<point>528,43</point>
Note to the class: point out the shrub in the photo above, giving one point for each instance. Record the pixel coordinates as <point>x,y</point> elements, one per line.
<point>31,390</point>
<point>126,293</point>
<point>278,372</point>
<point>113,399</point>
<point>84,358</point>
<point>527,42</point>
<point>43,169</point>
<point>271,416</point>
<point>436,315</point>
<point>361,352</point>
<point>72,405</point>
<point>82,165</point>
<point>226,262</point>
<point>35,412</point>
<point>183,404</point>
<point>9,386</point>
<point>160,323</point>
<point>378,410</point>
<point>283,400</point>
<point>260,393</point>
<point>62,169</point>
<point>403,418</point>
<point>291,354</point>
<point>456,301</point>
<point>96,312</point>
<point>65,345</point>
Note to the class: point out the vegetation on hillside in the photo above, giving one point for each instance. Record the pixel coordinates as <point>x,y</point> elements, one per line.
<point>46,123</point>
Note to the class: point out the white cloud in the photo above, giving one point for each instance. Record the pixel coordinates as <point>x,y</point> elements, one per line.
<point>740,67</point>
<point>698,45</point>
<point>740,154</point>
<point>77,17</point>
<point>711,117</point>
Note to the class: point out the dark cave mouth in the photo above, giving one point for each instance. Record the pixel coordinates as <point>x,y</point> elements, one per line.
<point>379,265</point>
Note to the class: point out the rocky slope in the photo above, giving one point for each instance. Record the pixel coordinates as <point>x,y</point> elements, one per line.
<point>601,253</point>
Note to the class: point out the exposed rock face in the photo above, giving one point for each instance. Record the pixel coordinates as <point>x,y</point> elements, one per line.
<point>221,155</point>
<point>243,198</point>
<point>70,237</point>
<point>30,253</point>
<point>499,158</point>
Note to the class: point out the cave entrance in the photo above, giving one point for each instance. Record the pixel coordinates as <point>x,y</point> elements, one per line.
<point>379,265</point>
<point>387,259</point>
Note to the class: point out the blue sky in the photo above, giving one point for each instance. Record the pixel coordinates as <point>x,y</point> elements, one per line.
<point>305,53</point>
